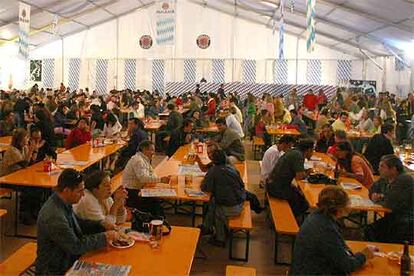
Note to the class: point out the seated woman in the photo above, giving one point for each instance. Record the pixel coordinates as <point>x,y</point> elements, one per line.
<point>19,155</point>
<point>226,186</point>
<point>79,135</point>
<point>353,164</point>
<point>112,126</point>
<point>97,204</point>
<point>60,120</point>
<point>326,139</point>
<point>319,247</point>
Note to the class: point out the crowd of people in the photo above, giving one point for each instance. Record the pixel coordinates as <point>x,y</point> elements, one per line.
<point>82,215</point>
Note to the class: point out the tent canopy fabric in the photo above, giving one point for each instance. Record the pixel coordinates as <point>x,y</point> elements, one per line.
<point>378,27</point>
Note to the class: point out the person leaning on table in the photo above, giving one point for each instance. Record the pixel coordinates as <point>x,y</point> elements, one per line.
<point>395,191</point>
<point>319,247</point>
<point>139,172</point>
<point>97,204</point>
<point>62,237</point>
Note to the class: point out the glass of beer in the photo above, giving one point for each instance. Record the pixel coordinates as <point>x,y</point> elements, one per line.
<point>188,180</point>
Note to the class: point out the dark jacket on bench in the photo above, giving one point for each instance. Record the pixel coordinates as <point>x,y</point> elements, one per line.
<point>320,249</point>
<point>62,237</point>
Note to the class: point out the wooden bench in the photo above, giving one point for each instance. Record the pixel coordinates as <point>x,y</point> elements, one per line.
<point>20,261</point>
<point>233,270</point>
<point>257,146</point>
<point>283,220</point>
<point>241,224</point>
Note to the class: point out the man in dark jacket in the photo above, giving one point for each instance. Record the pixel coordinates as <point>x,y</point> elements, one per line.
<point>175,120</point>
<point>136,135</point>
<point>180,137</point>
<point>380,145</point>
<point>229,140</point>
<point>228,194</point>
<point>62,237</point>
<point>289,167</point>
<point>396,194</point>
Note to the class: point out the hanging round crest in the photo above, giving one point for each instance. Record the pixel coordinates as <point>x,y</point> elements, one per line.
<point>203,41</point>
<point>145,42</point>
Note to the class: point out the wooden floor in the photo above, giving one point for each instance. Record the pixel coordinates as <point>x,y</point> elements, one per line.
<point>261,245</point>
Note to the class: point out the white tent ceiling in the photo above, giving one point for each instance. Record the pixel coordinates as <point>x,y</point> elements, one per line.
<point>378,27</point>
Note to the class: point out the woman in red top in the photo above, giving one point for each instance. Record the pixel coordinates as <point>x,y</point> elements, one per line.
<point>211,105</point>
<point>354,165</point>
<point>79,135</point>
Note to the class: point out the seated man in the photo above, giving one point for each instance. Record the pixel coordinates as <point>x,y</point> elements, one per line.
<point>326,139</point>
<point>7,125</point>
<point>289,167</point>
<point>340,122</point>
<point>175,120</point>
<point>43,148</point>
<point>230,141</point>
<point>272,155</point>
<point>298,122</point>
<point>136,135</point>
<point>62,237</point>
<point>380,145</point>
<point>232,122</point>
<point>139,172</point>
<point>225,184</point>
<point>180,137</point>
<point>397,194</point>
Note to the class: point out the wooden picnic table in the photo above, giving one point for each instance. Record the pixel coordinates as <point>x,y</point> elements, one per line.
<point>279,131</point>
<point>171,167</point>
<point>378,265</point>
<point>174,256</point>
<point>311,191</point>
<point>79,158</point>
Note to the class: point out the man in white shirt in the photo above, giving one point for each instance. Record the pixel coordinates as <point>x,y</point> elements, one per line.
<point>233,123</point>
<point>238,114</point>
<point>272,155</point>
<point>139,172</point>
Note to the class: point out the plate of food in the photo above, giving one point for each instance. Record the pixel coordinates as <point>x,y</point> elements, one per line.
<point>124,241</point>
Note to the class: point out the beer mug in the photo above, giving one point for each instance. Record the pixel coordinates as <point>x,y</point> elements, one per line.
<point>155,233</point>
<point>188,180</point>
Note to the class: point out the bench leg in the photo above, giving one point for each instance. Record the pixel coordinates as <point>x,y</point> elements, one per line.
<point>276,262</point>
<point>246,253</point>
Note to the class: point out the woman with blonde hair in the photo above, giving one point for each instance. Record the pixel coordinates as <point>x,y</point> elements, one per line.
<point>320,248</point>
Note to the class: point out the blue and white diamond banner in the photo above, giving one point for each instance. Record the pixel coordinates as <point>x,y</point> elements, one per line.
<point>24,29</point>
<point>165,22</point>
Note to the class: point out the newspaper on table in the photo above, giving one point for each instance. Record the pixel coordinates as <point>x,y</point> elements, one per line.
<point>190,169</point>
<point>350,186</point>
<point>194,193</point>
<point>81,268</point>
<point>358,201</point>
<point>72,163</point>
<point>158,192</point>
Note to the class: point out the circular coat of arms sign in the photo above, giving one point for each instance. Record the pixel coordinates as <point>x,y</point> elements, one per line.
<point>145,41</point>
<point>203,41</point>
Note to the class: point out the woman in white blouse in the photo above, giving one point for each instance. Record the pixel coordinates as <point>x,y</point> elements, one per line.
<point>97,203</point>
<point>112,126</point>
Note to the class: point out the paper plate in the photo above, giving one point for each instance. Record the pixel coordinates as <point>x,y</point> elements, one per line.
<point>132,242</point>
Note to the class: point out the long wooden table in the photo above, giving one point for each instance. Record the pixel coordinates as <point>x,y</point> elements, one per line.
<point>174,257</point>
<point>170,167</point>
<point>279,131</point>
<point>311,191</point>
<point>79,158</point>
<point>378,265</point>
